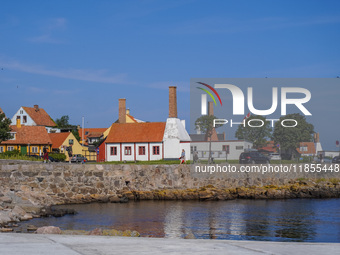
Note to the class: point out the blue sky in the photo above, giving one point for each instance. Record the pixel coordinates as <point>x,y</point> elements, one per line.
<point>77,58</point>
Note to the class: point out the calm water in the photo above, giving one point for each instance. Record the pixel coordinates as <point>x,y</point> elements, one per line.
<point>305,220</point>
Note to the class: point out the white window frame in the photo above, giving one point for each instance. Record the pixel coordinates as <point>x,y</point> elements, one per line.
<point>1,149</point>
<point>35,149</point>
<point>10,148</point>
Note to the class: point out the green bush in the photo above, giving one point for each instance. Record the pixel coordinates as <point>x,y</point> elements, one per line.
<point>11,153</point>
<point>58,156</point>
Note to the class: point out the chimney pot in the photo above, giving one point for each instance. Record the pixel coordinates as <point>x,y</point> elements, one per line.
<point>36,107</point>
<point>172,102</point>
<point>122,110</point>
<point>18,123</point>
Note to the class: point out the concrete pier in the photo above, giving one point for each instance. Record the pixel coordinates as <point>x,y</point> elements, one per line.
<point>17,244</point>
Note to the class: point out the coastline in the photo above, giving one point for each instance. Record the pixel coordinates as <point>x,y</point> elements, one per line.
<point>29,190</point>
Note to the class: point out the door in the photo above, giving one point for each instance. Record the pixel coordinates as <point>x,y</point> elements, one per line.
<point>23,150</point>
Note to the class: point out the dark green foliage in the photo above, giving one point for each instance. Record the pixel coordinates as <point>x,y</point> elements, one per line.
<point>58,156</point>
<point>11,153</point>
<point>290,137</point>
<point>257,135</point>
<point>4,128</point>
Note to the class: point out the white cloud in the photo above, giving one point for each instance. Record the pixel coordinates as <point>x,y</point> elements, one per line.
<point>100,76</point>
<point>49,30</point>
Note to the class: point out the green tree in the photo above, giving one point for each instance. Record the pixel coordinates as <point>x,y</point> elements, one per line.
<point>76,134</point>
<point>205,124</point>
<point>257,135</point>
<point>4,128</point>
<point>63,122</point>
<point>290,137</point>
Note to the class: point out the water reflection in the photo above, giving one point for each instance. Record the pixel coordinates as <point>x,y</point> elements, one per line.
<point>303,220</point>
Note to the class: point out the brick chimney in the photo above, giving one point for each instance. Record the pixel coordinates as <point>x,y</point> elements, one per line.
<point>172,102</point>
<point>122,110</point>
<point>316,137</point>
<point>36,107</point>
<point>211,108</point>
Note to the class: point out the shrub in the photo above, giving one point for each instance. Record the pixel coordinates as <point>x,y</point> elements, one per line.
<point>58,156</point>
<point>11,153</point>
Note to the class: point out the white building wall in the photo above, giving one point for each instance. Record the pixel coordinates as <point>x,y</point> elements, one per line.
<point>21,113</point>
<point>110,157</point>
<point>235,149</point>
<point>134,146</point>
<point>128,157</point>
<point>142,157</point>
<point>174,134</point>
<point>156,157</point>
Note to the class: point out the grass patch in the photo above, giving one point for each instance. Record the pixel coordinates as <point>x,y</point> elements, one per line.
<point>154,162</point>
<point>18,157</point>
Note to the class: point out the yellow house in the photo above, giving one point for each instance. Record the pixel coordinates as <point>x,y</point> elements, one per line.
<point>61,141</point>
<point>29,140</point>
<point>91,136</point>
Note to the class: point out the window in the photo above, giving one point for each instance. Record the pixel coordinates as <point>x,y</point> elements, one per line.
<point>113,151</point>
<point>70,141</point>
<point>141,150</point>
<point>155,150</point>
<point>1,149</point>
<point>13,134</point>
<point>34,149</point>
<point>193,148</point>
<point>21,112</point>
<point>10,148</point>
<point>303,148</point>
<point>127,150</point>
<point>239,147</point>
<point>87,132</point>
<point>18,117</point>
<point>225,148</point>
<point>24,119</point>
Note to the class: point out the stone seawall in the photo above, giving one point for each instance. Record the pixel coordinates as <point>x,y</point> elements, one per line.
<point>59,183</point>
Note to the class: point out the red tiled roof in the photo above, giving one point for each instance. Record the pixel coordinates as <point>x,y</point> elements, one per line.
<point>90,131</point>
<point>94,134</point>
<point>270,147</point>
<point>29,135</point>
<point>58,139</point>
<point>136,132</point>
<point>310,148</point>
<point>40,116</point>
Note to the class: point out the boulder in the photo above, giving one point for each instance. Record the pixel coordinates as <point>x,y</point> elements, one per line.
<point>6,230</point>
<point>114,199</point>
<point>18,211</point>
<point>49,230</point>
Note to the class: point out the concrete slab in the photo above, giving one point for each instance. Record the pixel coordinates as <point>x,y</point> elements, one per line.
<point>17,244</point>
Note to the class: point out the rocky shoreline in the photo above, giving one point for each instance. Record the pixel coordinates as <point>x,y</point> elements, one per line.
<point>28,190</point>
<point>14,209</point>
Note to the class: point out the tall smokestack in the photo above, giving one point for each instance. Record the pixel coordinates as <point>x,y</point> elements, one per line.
<point>172,102</point>
<point>122,110</point>
<point>211,108</point>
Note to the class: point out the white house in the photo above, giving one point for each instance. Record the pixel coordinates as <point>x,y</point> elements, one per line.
<point>135,141</point>
<point>145,141</point>
<point>231,149</point>
<point>35,116</point>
